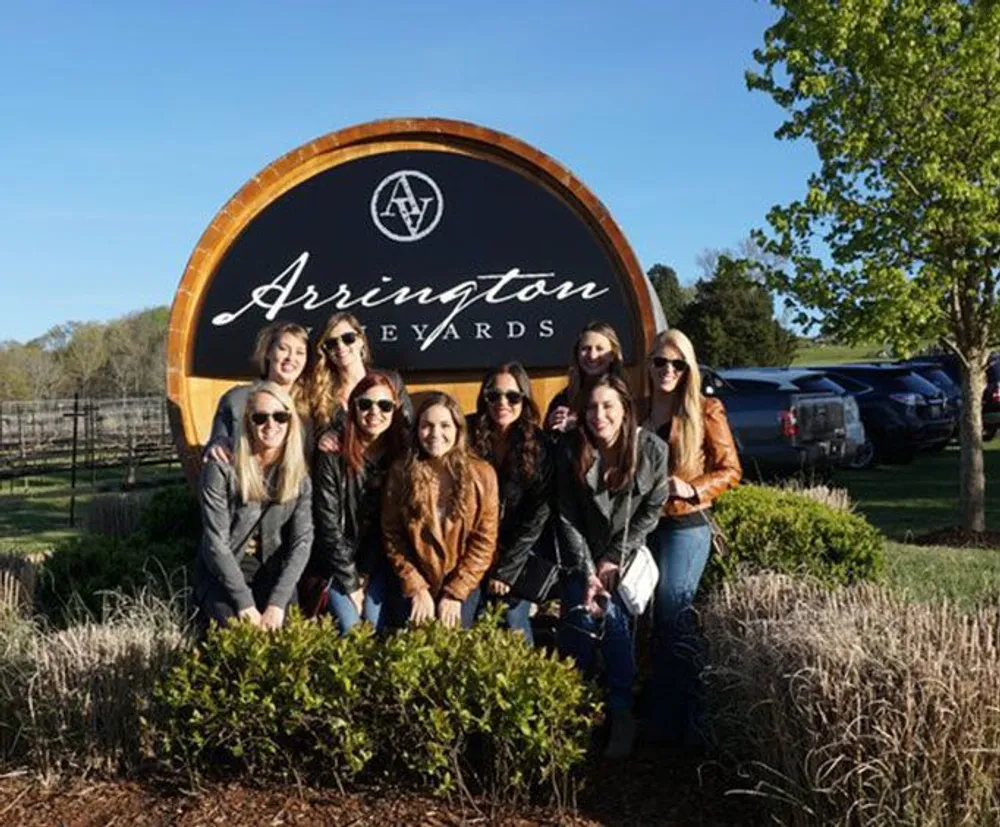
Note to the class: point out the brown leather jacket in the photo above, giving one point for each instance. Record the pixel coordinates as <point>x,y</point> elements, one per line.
<point>454,560</point>
<point>719,464</point>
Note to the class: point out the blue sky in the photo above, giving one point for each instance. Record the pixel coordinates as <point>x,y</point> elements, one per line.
<point>124,127</point>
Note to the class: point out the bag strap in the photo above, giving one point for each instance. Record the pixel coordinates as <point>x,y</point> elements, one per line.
<point>628,502</point>
<point>257,522</point>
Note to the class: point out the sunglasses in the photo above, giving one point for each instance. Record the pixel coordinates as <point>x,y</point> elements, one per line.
<point>493,396</point>
<point>678,365</point>
<point>365,403</point>
<point>260,417</point>
<point>331,341</point>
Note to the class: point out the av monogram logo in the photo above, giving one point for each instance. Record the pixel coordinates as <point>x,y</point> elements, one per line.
<point>407,205</point>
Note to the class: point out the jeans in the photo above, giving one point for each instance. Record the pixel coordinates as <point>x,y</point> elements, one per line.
<point>517,617</point>
<point>673,699</point>
<point>469,607</point>
<point>373,607</point>
<point>580,633</point>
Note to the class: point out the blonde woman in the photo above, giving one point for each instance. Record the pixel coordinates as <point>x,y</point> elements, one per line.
<point>281,353</point>
<point>596,352</point>
<point>440,512</point>
<point>256,516</point>
<point>341,357</point>
<point>702,465</point>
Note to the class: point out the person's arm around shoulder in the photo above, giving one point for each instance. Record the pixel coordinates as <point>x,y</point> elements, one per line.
<point>481,543</point>
<point>215,550</point>
<point>722,462</point>
<point>222,439</point>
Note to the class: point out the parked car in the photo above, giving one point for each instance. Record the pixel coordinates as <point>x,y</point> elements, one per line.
<point>934,373</point>
<point>902,412</point>
<point>991,393</point>
<point>779,426</point>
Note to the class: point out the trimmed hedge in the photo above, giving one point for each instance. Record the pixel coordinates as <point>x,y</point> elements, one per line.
<point>476,711</point>
<point>774,530</point>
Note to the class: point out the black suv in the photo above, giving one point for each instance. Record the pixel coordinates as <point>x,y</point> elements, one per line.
<point>903,413</point>
<point>991,394</point>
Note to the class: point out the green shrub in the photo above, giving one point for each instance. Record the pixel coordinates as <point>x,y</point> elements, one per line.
<point>156,556</point>
<point>441,708</point>
<point>770,529</point>
<point>76,577</point>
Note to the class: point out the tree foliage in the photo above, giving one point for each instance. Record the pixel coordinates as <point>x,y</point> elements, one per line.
<point>673,298</point>
<point>731,320</point>
<point>123,357</point>
<point>898,235</point>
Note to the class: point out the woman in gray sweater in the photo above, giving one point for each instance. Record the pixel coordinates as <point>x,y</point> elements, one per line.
<point>256,516</point>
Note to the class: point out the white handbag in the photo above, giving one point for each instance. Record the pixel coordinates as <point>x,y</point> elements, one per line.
<point>640,575</point>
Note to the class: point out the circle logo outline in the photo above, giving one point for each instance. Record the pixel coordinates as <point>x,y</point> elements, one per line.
<point>401,178</point>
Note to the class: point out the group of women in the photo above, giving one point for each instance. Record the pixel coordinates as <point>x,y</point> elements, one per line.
<point>322,473</point>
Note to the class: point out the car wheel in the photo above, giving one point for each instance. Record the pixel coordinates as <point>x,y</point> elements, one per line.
<point>865,457</point>
<point>989,432</point>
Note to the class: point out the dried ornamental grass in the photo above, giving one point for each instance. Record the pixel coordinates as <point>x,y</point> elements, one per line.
<point>854,707</point>
<point>71,700</point>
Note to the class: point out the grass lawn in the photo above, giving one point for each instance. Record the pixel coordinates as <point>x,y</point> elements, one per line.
<point>968,577</point>
<point>904,501</point>
<point>833,354</point>
<point>34,511</point>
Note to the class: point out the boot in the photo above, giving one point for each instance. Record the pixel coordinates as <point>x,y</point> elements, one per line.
<point>622,736</point>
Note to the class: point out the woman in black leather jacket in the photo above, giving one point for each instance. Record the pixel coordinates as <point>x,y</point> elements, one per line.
<point>506,431</point>
<point>347,493</point>
<point>611,482</point>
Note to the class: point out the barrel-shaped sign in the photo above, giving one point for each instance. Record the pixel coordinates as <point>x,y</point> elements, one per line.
<point>455,246</point>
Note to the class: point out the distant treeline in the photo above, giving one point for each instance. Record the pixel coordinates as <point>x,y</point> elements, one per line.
<point>123,357</point>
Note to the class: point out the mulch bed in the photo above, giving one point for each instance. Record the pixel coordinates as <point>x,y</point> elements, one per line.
<point>959,538</point>
<point>655,787</point>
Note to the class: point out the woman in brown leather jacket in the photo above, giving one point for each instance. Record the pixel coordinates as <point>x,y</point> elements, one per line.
<point>702,464</point>
<point>440,512</point>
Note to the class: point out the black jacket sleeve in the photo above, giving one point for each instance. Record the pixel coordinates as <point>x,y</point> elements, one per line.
<point>573,544</point>
<point>335,552</point>
<point>521,530</point>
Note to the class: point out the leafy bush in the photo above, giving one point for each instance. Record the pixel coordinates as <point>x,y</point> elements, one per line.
<point>455,711</point>
<point>75,579</point>
<point>156,556</point>
<point>855,706</point>
<point>792,533</point>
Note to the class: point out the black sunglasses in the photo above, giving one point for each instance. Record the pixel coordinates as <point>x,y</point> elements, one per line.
<point>260,417</point>
<point>365,403</point>
<point>662,361</point>
<point>493,395</point>
<point>348,339</point>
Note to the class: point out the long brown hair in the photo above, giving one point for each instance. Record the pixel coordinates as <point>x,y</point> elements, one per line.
<point>325,381</point>
<point>393,438</point>
<point>526,430</point>
<point>419,473</point>
<point>585,449</point>
<point>686,450</point>
<point>267,338</point>
<point>579,384</point>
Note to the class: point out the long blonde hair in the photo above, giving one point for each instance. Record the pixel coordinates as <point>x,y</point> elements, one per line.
<point>686,452</point>
<point>420,474</point>
<point>325,380</point>
<point>291,464</point>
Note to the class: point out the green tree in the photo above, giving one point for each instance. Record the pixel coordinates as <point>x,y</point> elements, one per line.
<point>731,320</point>
<point>673,298</point>
<point>898,234</point>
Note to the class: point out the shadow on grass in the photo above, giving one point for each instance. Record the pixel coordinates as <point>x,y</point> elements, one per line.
<point>904,501</point>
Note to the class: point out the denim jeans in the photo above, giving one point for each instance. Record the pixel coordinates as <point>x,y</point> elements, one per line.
<point>673,699</point>
<point>580,633</point>
<point>373,607</point>
<point>518,616</point>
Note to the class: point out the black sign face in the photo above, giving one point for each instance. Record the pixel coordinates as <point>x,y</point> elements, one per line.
<point>450,262</point>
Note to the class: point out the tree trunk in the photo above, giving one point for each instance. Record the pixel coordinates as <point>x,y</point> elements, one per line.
<point>972,485</point>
